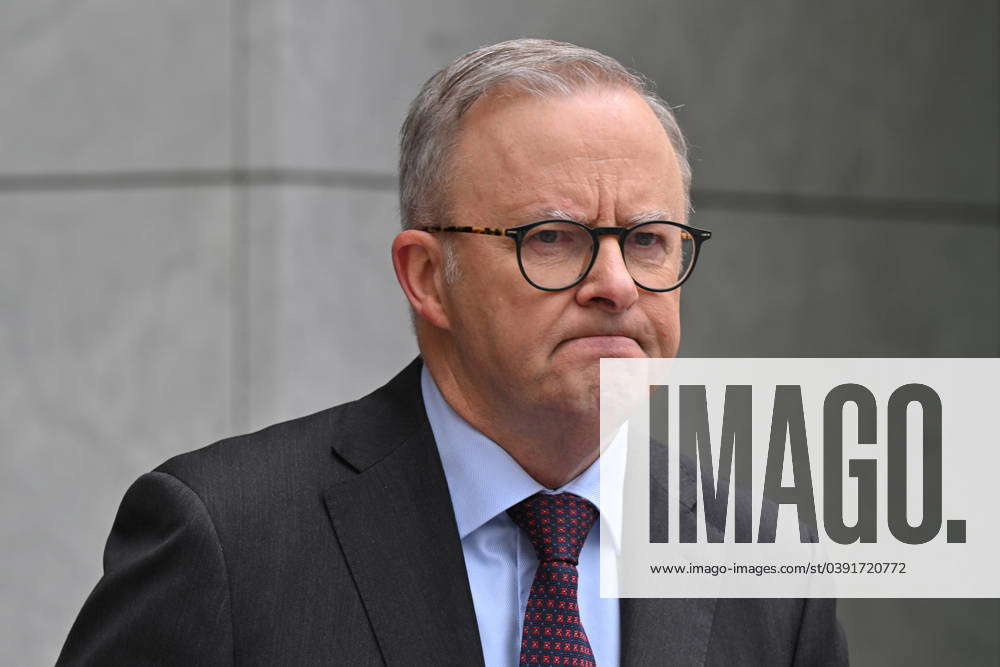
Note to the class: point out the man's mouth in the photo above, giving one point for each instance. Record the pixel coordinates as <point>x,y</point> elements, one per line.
<point>603,346</point>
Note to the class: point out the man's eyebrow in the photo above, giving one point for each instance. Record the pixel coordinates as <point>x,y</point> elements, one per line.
<point>556,214</point>
<point>559,214</point>
<point>649,216</point>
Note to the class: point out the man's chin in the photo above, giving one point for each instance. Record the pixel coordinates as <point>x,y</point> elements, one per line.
<point>576,395</point>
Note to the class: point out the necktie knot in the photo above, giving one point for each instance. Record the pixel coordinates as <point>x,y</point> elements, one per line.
<point>556,524</point>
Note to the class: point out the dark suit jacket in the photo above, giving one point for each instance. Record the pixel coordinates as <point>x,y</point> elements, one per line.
<point>331,539</point>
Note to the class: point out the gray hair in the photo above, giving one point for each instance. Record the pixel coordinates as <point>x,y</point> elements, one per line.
<point>535,66</point>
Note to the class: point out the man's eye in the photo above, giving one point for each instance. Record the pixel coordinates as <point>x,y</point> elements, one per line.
<point>644,238</point>
<point>547,236</point>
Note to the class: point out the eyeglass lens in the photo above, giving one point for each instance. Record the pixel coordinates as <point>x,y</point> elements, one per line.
<point>555,255</point>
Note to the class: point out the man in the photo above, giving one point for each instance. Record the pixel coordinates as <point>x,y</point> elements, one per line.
<point>452,517</point>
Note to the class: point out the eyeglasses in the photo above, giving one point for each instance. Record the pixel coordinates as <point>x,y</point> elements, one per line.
<point>555,255</point>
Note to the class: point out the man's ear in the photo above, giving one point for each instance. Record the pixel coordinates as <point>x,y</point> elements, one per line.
<point>418,261</point>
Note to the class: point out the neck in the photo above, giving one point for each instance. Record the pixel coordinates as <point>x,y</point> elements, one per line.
<point>553,449</point>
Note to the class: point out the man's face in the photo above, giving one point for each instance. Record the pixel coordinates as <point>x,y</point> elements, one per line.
<point>600,157</point>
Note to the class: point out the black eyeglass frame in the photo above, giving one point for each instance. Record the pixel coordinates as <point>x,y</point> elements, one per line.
<point>519,232</point>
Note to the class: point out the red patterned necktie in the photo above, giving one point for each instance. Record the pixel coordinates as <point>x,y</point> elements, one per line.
<point>557,525</point>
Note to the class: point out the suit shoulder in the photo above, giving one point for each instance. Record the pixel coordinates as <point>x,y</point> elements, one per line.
<point>275,474</point>
<point>297,449</point>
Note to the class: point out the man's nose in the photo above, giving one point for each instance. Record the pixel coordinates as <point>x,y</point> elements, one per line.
<point>609,285</point>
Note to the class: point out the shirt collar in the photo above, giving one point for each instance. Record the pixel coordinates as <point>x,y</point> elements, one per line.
<point>483,479</point>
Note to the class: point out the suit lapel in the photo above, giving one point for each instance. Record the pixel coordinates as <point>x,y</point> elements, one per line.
<point>396,526</point>
<point>658,631</point>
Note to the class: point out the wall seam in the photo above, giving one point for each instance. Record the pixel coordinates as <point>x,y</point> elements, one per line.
<point>240,179</point>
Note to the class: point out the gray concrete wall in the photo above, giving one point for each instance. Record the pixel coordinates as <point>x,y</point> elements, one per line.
<point>180,184</point>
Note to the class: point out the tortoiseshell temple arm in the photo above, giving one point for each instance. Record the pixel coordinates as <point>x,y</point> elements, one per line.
<point>492,231</point>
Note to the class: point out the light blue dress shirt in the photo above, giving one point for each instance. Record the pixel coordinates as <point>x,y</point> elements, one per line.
<point>484,481</point>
